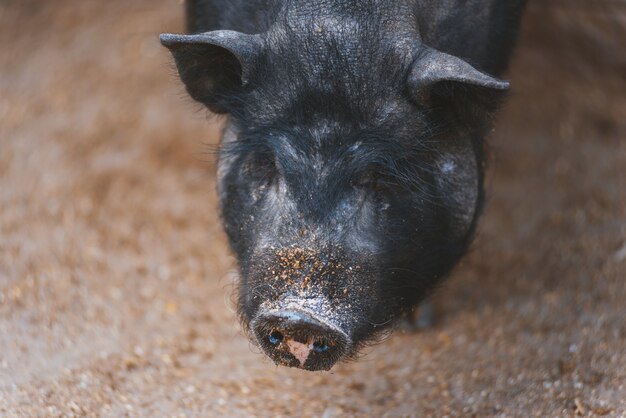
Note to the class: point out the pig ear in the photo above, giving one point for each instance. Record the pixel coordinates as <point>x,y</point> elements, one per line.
<point>433,66</point>
<point>214,65</point>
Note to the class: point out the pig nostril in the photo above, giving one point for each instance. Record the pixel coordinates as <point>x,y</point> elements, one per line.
<point>297,339</point>
<point>275,338</point>
<point>320,347</point>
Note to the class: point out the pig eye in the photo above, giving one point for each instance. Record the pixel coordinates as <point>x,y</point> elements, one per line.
<point>261,168</point>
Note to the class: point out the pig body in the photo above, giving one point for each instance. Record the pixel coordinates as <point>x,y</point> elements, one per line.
<point>351,167</point>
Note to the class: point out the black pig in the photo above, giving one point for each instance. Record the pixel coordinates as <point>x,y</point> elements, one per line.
<point>351,166</point>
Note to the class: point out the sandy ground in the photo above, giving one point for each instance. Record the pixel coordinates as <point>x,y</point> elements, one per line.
<point>116,284</point>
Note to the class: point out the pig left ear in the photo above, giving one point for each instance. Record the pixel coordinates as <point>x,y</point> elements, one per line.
<point>433,66</point>
<point>214,65</point>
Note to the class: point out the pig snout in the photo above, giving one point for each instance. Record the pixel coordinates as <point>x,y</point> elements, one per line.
<point>297,339</point>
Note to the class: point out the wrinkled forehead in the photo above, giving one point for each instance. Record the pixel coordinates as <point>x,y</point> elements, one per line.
<point>335,85</point>
<point>349,16</point>
<point>343,38</point>
<point>334,63</point>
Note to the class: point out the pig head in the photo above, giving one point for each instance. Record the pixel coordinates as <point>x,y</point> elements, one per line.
<point>350,171</point>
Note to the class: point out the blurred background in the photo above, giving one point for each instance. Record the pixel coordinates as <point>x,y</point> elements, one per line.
<point>116,282</point>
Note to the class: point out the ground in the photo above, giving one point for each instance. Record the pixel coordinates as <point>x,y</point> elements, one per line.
<point>116,283</point>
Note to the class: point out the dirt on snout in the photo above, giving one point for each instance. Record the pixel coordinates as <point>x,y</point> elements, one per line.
<point>116,284</point>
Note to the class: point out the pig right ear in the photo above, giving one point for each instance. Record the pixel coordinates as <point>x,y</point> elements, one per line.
<point>433,66</point>
<point>214,65</point>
